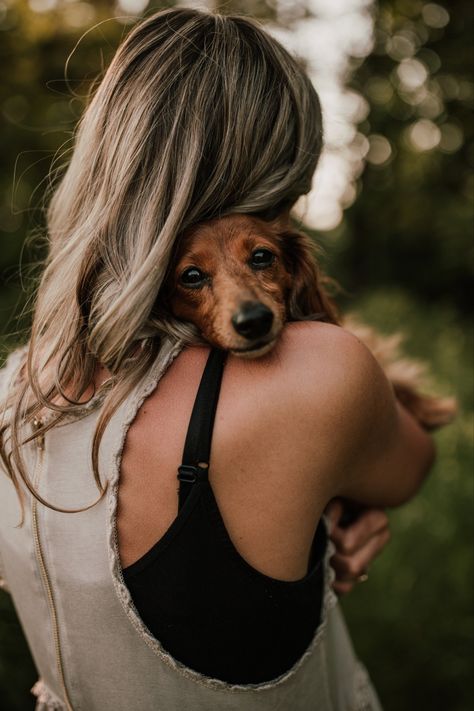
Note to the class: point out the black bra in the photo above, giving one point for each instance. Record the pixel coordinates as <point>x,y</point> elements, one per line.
<point>209,608</point>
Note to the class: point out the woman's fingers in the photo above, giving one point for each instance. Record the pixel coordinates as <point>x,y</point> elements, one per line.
<point>342,588</point>
<point>369,523</point>
<point>349,568</point>
<point>333,512</point>
<point>356,545</point>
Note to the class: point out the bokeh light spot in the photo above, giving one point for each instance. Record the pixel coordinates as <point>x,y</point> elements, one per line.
<point>360,145</point>
<point>430,106</point>
<point>423,135</point>
<point>42,5</point>
<point>401,46</point>
<point>449,86</point>
<point>349,195</point>
<point>379,90</point>
<point>380,149</point>
<point>435,15</point>
<point>412,74</point>
<point>452,138</point>
<point>133,6</point>
<point>79,14</point>
<point>430,58</point>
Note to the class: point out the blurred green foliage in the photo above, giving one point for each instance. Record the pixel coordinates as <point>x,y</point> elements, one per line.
<point>403,252</point>
<point>412,622</point>
<point>412,224</point>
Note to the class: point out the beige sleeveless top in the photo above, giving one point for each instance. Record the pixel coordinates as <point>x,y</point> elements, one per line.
<point>91,649</point>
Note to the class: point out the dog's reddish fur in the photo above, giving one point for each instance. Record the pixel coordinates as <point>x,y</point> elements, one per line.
<point>293,288</point>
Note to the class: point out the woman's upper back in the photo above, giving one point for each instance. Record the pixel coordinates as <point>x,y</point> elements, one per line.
<point>263,471</point>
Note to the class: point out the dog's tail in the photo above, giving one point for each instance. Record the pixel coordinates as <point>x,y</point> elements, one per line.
<point>408,376</point>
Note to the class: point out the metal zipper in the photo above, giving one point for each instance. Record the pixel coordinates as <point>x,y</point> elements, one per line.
<point>37,423</point>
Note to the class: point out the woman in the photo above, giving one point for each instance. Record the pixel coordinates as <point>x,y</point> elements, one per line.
<point>226,603</point>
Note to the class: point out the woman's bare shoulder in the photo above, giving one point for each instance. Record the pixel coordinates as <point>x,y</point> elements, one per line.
<point>313,357</point>
<point>319,372</point>
<point>303,335</point>
<point>330,365</point>
<point>321,388</point>
<point>305,338</point>
<point>339,395</point>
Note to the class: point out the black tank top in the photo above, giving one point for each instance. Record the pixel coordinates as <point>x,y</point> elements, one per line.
<point>209,608</point>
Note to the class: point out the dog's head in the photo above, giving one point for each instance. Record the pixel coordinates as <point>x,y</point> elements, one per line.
<point>239,278</point>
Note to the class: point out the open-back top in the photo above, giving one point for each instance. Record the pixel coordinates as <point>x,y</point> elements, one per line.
<point>93,648</point>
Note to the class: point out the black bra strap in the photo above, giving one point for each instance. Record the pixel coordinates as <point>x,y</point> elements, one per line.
<point>197,446</point>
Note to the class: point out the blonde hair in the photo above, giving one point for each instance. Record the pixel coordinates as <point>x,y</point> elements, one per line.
<point>198,115</point>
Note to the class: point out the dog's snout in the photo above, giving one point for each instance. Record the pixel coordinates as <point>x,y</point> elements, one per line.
<point>253,320</point>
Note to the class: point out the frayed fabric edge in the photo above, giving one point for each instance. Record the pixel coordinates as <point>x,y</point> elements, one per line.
<point>365,696</point>
<point>45,699</point>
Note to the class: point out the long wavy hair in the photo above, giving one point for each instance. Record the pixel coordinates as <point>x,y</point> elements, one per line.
<point>198,115</point>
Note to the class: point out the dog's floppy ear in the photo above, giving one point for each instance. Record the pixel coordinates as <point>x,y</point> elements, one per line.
<point>307,296</point>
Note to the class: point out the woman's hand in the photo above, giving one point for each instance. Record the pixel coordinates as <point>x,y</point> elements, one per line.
<point>357,544</point>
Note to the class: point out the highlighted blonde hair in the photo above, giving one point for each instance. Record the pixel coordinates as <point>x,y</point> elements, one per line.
<point>199,115</point>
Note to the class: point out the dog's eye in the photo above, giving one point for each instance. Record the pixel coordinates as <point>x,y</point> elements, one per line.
<point>261,258</point>
<point>192,277</point>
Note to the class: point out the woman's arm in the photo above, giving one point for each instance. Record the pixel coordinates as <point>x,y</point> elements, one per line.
<point>357,545</point>
<point>345,418</point>
<point>388,471</point>
<point>388,454</point>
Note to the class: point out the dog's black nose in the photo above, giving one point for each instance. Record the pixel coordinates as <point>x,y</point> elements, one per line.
<point>252,320</point>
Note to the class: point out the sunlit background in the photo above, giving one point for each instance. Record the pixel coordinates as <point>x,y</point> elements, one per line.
<point>391,207</point>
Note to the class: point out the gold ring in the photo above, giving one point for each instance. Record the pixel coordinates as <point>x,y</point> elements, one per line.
<point>362,578</point>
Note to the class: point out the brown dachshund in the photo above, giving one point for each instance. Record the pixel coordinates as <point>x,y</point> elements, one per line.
<point>239,278</point>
